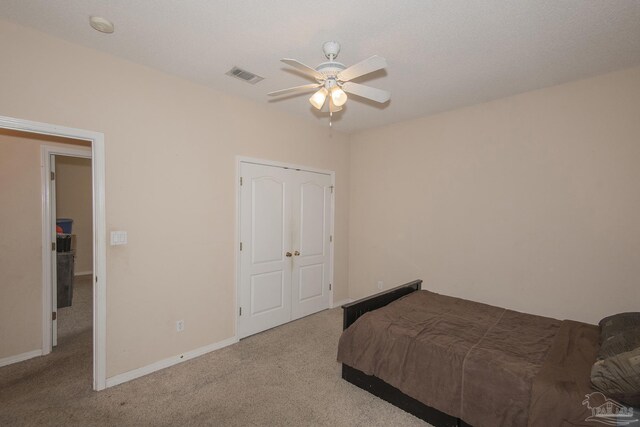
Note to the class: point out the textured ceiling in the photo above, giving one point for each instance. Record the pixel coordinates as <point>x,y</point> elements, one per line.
<point>441,54</point>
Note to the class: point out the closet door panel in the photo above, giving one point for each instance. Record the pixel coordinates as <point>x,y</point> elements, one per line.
<point>265,233</point>
<point>284,230</point>
<point>312,279</point>
<point>312,219</point>
<point>312,209</point>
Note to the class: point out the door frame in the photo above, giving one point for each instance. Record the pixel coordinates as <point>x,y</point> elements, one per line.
<point>264,162</point>
<point>48,265</point>
<point>99,238</point>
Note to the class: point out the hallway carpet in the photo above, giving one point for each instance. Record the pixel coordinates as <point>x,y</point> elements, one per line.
<point>287,376</point>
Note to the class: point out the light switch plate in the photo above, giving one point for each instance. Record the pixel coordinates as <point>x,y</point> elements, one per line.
<point>118,238</point>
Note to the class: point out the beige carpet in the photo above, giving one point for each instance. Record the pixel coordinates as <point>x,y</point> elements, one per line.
<point>287,376</point>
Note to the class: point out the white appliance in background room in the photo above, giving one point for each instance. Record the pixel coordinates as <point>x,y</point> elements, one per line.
<point>285,256</point>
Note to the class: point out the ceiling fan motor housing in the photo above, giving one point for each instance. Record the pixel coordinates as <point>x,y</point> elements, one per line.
<point>331,50</point>
<point>330,69</point>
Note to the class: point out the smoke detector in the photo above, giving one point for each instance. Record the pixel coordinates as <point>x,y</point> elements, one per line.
<point>101,24</point>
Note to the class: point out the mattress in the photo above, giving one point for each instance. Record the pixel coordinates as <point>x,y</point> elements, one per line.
<point>470,360</point>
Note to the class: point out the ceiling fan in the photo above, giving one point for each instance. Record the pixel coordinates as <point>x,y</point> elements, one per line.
<point>334,80</point>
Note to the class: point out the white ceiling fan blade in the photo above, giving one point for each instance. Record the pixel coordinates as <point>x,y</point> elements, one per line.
<point>304,68</point>
<point>297,89</point>
<point>368,92</point>
<point>367,66</point>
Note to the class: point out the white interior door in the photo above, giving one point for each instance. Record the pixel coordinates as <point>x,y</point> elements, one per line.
<point>54,254</point>
<point>265,277</point>
<point>310,277</point>
<point>285,257</point>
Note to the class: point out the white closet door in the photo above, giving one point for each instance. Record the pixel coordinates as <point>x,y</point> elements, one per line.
<point>54,253</point>
<point>311,202</point>
<point>265,276</point>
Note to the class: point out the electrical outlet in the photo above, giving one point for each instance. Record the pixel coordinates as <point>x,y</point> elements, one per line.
<point>180,325</point>
<point>380,284</point>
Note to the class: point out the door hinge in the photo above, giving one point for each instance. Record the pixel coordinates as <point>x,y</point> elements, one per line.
<point>53,176</point>
<point>331,238</point>
<point>332,189</point>
<point>240,245</point>
<point>240,181</point>
<point>329,286</point>
<point>53,246</point>
<point>54,315</point>
<point>96,279</point>
<point>240,312</point>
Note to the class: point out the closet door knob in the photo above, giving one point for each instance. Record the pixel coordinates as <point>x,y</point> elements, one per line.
<point>296,253</point>
<point>288,254</point>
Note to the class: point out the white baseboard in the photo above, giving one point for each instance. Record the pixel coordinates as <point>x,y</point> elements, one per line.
<point>339,303</point>
<point>20,357</point>
<point>82,273</point>
<point>170,361</point>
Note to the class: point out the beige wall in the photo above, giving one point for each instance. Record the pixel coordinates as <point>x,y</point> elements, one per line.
<point>530,202</point>
<point>21,259</point>
<point>21,241</point>
<point>171,149</point>
<point>74,200</point>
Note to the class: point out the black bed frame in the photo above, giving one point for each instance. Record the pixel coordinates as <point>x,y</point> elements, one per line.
<point>375,385</point>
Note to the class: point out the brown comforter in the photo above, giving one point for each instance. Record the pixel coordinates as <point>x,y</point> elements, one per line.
<point>470,360</point>
<point>562,388</point>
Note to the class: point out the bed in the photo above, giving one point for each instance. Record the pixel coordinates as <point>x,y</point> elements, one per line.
<point>453,362</point>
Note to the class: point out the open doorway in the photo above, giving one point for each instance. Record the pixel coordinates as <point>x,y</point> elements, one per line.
<point>69,193</point>
<point>27,293</point>
<point>70,200</point>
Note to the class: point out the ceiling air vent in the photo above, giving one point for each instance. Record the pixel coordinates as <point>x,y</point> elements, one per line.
<point>244,75</point>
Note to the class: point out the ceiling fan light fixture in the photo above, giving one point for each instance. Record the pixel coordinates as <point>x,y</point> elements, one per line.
<point>333,108</point>
<point>338,96</point>
<point>318,98</point>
